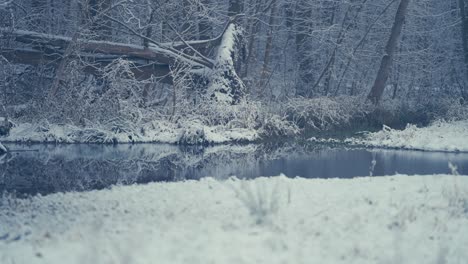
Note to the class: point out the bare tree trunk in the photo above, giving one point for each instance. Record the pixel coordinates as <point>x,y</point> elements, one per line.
<point>149,29</point>
<point>60,72</point>
<point>359,45</point>
<point>303,14</point>
<point>254,29</point>
<point>464,32</point>
<point>269,46</point>
<point>382,76</point>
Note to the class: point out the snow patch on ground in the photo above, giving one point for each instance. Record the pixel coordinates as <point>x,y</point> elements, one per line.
<point>439,136</point>
<point>398,219</point>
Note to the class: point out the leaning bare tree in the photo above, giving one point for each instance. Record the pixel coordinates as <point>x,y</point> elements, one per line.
<point>385,66</point>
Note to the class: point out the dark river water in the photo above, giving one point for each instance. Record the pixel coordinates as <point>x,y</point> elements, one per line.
<point>45,169</point>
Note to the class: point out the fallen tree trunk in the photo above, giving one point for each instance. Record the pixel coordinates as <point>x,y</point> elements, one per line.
<point>59,43</point>
<point>141,71</point>
<point>152,61</point>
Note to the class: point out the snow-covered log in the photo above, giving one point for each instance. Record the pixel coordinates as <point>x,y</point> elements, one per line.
<point>155,60</point>
<point>152,61</point>
<point>226,86</point>
<point>160,53</point>
<point>141,71</point>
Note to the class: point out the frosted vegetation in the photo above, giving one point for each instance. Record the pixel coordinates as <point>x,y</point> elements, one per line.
<point>200,73</point>
<point>205,71</point>
<point>439,136</point>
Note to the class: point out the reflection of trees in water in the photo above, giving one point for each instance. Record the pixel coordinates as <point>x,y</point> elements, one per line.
<point>86,167</point>
<point>29,175</point>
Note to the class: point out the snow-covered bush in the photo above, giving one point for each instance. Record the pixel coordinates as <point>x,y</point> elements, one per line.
<point>325,113</point>
<point>438,136</point>
<point>251,115</point>
<point>273,125</point>
<point>193,133</point>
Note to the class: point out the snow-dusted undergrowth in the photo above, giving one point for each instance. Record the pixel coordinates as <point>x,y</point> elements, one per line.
<point>324,113</point>
<point>399,219</point>
<point>246,121</point>
<point>439,136</point>
<point>209,123</point>
<point>240,125</point>
<point>190,132</point>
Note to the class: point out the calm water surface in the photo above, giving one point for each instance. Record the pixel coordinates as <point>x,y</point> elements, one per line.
<point>47,169</point>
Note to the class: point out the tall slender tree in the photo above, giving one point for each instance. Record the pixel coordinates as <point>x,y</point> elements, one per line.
<point>387,60</point>
<point>269,45</point>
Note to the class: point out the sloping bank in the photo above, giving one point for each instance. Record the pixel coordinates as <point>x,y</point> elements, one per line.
<point>439,136</point>
<point>398,219</point>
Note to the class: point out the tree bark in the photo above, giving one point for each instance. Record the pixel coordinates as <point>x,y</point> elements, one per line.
<point>378,88</point>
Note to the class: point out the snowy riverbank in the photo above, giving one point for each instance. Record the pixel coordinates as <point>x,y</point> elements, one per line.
<point>439,136</point>
<point>154,132</point>
<point>398,219</point>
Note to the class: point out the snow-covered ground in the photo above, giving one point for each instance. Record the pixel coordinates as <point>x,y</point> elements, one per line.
<point>397,219</point>
<point>440,136</point>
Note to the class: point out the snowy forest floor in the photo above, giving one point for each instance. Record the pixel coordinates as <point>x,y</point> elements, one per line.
<point>395,219</point>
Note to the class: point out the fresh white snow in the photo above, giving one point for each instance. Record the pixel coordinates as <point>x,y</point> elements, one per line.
<point>439,136</point>
<point>395,219</point>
